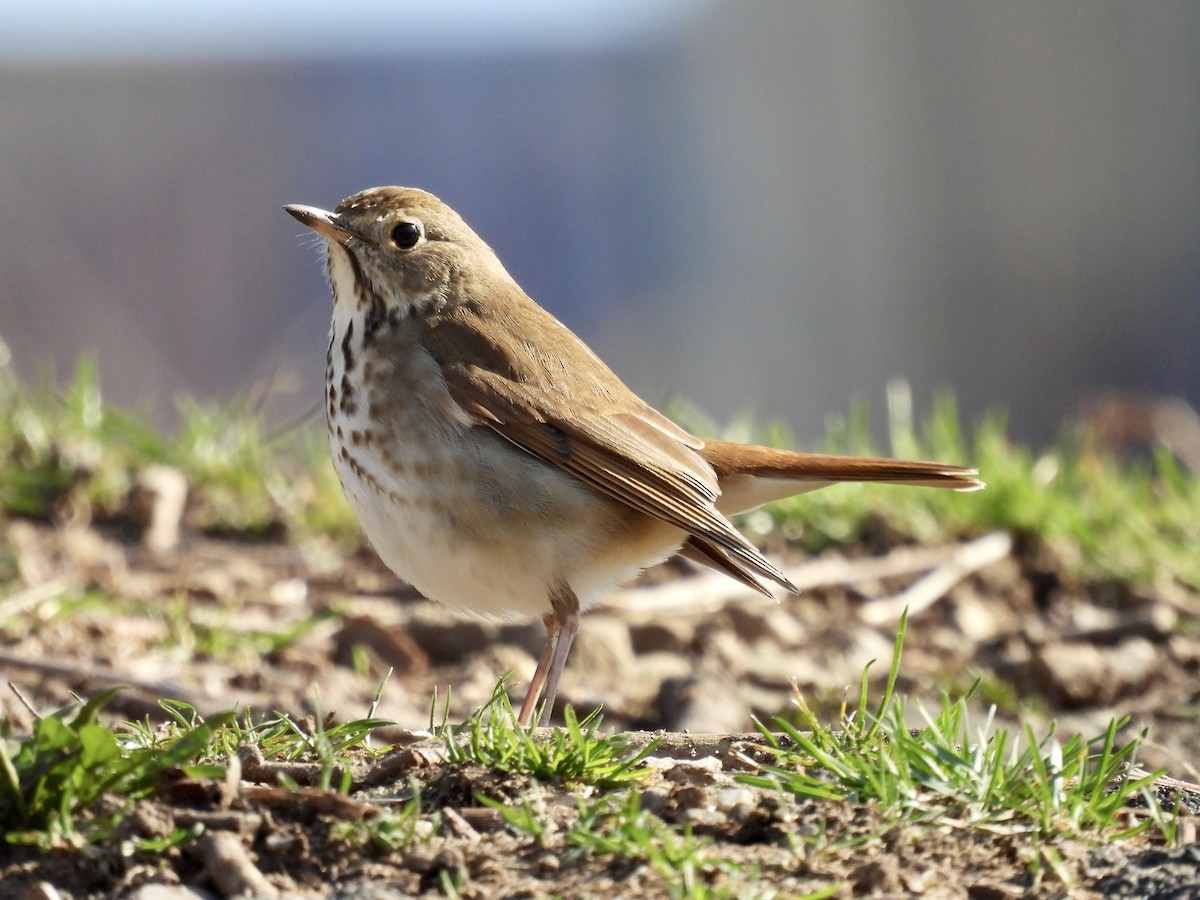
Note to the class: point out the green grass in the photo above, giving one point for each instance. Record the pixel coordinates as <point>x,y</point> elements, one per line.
<point>574,755</point>
<point>53,781</point>
<point>57,784</point>
<point>613,825</point>
<point>195,631</point>
<point>217,634</point>
<point>399,827</point>
<point>984,778</point>
<point>68,455</point>
<point>687,865</point>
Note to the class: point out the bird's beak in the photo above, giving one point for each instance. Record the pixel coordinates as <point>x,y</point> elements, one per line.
<point>328,225</point>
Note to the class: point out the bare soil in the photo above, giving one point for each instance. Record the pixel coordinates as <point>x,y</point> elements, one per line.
<point>203,622</point>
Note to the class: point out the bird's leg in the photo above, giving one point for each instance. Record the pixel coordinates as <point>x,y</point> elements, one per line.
<point>539,673</point>
<point>561,626</point>
<point>566,635</point>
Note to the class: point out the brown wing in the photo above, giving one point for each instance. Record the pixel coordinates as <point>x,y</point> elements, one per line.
<point>588,424</point>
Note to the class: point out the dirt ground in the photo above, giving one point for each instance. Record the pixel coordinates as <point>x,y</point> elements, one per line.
<point>209,621</point>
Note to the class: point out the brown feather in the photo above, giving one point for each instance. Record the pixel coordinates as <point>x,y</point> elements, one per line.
<point>728,458</point>
<point>751,476</point>
<point>590,425</point>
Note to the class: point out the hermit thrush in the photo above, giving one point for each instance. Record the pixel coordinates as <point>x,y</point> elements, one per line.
<point>495,462</point>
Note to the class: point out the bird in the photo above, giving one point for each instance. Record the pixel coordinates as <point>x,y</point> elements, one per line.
<point>496,463</point>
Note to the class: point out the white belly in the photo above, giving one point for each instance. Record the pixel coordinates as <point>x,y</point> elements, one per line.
<point>465,540</point>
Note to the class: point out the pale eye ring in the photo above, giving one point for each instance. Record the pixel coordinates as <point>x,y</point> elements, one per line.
<point>406,234</point>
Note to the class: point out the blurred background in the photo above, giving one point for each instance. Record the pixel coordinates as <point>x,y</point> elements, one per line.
<point>769,207</point>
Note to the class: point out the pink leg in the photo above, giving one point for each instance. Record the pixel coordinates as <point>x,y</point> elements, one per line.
<point>539,673</point>
<point>561,624</point>
<point>568,624</point>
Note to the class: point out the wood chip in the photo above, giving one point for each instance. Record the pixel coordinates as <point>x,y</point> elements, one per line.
<point>230,867</point>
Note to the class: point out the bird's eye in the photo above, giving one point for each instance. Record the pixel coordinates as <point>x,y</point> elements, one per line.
<point>406,235</point>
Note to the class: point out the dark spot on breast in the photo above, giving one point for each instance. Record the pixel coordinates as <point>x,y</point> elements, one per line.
<point>362,287</point>
<point>376,318</point>
<point>370,480</point>
<point>347,352</point>
<point>394,461</point>
<point>348,405</point>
